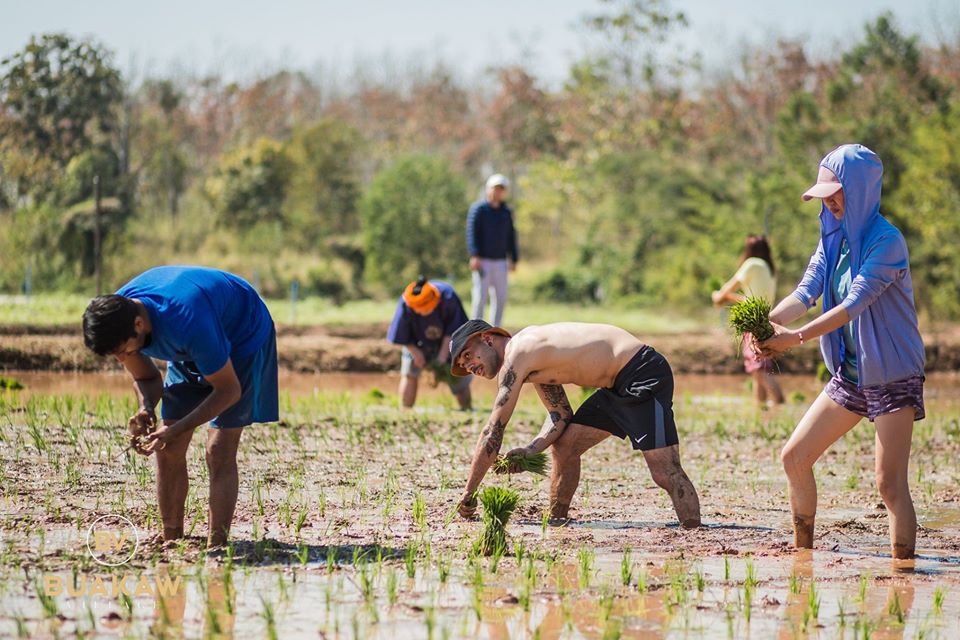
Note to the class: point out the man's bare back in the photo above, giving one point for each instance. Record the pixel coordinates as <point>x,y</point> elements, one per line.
<point>588,355</point>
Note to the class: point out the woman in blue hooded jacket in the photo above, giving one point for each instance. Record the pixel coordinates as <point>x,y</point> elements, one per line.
<point>869,339</point>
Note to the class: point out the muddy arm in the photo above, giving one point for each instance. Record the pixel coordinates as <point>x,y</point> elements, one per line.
<point>147,381</point>
<point>226,392</point>
<point>559,415</point>
<point>491,438</point>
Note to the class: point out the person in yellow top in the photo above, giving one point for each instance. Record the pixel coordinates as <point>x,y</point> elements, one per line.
<point>754,278</point>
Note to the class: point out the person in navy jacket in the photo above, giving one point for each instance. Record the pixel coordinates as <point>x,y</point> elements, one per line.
<point>492,243</point>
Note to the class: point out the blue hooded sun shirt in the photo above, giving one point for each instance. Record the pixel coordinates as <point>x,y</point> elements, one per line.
<point>880,300</point>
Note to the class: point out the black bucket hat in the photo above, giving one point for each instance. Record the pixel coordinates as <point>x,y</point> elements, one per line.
<point>460,337</point>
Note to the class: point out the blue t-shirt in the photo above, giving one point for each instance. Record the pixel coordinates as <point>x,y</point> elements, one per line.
<point>841,287</point>
<point>200,315</point>
<point>426,332</point>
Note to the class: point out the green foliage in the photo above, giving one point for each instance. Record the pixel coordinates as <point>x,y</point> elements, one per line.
<point>58,96</point>
<point>250,185</point>
<point>927,202</point>
<point>751,316</point>
<point>325,183</point>
<point>498,505</point>
<point>567,285</point>
<point>10,383</point>
<point>636,183</point>
<point>413,214</point>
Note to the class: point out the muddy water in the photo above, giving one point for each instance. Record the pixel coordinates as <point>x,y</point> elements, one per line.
<point>844,590</point>
<point>938,387</point>
<point>804,594</point>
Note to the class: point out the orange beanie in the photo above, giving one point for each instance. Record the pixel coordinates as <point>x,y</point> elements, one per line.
<point>424,301</point>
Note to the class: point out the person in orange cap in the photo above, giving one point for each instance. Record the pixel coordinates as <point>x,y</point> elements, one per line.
<point>427,314</point>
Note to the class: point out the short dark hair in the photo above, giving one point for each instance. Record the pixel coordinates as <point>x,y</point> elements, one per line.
<point>108,322</point>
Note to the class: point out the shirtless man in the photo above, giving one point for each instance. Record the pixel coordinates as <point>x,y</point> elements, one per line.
<point>634,398</point>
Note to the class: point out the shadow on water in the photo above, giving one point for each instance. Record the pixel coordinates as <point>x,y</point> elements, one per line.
<point>633,524</point>
<point>268,552</point>
<point>907,567</point>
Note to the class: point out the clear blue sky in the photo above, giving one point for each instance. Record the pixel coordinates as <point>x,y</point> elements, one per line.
<point>242,38</point>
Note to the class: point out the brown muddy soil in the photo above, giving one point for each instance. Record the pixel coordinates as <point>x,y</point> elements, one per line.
<point>341,474</point>
<point>363,348</point>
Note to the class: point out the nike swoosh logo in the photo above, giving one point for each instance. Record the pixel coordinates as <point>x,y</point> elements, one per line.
<point>637,440</point>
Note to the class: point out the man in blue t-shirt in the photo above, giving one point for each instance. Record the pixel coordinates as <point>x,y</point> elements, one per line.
<point>220,345</point>
<point>427,315</point>
<point>492,244</point>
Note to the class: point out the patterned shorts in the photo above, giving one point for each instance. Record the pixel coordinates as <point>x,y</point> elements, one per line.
<point>879,399</point>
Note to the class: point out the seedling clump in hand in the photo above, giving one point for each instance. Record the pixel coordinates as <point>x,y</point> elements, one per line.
<point>534,463</point>
<point>751,316</point>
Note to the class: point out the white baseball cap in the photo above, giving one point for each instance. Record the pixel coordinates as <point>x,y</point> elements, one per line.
<point>827,185</point>
<point>498,180</point>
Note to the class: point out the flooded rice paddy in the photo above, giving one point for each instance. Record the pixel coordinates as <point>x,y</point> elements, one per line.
<point>344,527</point>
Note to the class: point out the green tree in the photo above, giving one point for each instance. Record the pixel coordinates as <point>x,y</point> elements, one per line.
<point>58,98</point>
<point>413,214</point>
<point>161,140</point>
<point>250,185</point>
<point>928,200</point>
<point>325,184</point>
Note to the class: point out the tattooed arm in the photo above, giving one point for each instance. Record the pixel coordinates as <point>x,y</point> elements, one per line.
<point>491,438</point>
<point>559,415</point>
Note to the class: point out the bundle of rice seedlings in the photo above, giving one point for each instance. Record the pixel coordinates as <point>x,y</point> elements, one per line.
<point>498,504</point>
<point>534,463</point>
<point>751,316</point>
<point>440,373</point>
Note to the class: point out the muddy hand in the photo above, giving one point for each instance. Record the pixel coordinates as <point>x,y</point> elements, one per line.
<point>160,438</point>
<point>782,340</point>
<point>139,426</point>
<point>467,507</point>
<point>512,459</point>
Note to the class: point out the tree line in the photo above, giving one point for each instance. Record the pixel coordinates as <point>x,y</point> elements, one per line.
<point>636,180</point>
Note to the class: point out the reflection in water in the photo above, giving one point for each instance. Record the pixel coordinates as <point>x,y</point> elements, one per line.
<point>215,600</point>
<point>798,613</point>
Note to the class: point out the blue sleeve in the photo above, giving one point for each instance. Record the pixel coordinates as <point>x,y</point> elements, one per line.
<point>512,239</point>
<point>472,248</point>
<point>208,343</point>
<point>811,285</point>
<point>882,265</point>
<point>399,331</point>
<point>453,314</point>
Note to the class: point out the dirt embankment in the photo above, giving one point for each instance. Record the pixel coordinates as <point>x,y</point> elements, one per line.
<point>363,348</point>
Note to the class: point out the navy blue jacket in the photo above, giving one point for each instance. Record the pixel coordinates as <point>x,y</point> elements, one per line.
<point>490,232</point>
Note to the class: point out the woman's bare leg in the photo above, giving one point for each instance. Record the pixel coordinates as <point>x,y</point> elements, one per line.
<point>894,433</point>
<point>824,423</point>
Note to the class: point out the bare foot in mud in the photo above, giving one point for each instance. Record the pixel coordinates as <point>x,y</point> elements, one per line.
<point>691,523</point>
<point>559,514</point>
<point>902,551</point>
<point>803,532</point>
<point>159,542</point>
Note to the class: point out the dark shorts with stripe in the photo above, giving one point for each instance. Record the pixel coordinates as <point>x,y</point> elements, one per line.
<point>880,399</point>
<point>184,388</point>
<point>639,405</point>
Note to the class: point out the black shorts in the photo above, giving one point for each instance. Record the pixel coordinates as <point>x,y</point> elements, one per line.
<point>639,405</point>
